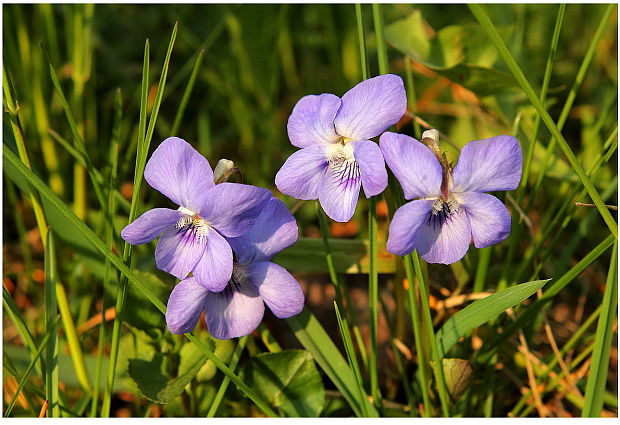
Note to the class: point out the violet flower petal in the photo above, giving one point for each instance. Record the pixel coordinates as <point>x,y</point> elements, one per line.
<point>312,120</point>
<point>178,250</point>
<point>372,167</point>
<point>415,166</point>
<point>490,220</point>
<point>214,269</point>
<point>339,191</point>
<point>444,243</point>
<point>405,225</point>
<point>301,174</point>
<point>274,230</point>
<point>489,165</point>
<point>185,304</point>
<point>178,171</point>
<point>371,107</point>
<point>149,225</point>
<point>232,208</point>
<point>234,312</point>
<point>278,288</point>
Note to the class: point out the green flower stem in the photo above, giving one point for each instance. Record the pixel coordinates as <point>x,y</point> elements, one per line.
<point>414,309</point>
<point>428,327</point>
<point>219,396</point>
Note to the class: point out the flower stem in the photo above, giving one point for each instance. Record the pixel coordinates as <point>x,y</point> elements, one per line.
<point>428,324</point>
<point>342,319</point>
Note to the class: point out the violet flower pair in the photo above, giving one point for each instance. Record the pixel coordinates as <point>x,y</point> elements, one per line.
<point>337,157</point>
<point>211,223</point>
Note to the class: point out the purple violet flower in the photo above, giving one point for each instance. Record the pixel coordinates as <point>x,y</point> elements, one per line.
<point>239,308</point>
<point>193,236</point>
<point>336,155</point>
<point>452,208</point>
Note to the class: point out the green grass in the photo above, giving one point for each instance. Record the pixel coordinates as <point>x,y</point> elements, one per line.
<point>90,90</point>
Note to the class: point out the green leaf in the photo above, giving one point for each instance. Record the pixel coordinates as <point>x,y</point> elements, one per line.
<point>482,311</point>
<point>152,379</point>
<point>288,380</point>
<point>457,52</point>
<point>315,339</point>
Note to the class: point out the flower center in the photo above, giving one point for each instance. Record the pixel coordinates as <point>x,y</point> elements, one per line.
<point>442,211</point>
<point>192,222</point>
<point>239,278</point>
<point>342,163</point>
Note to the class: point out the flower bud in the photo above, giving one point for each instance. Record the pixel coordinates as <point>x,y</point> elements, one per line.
<point>223,170</point>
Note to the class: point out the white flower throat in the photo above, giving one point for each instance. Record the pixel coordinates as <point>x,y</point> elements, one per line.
<point>342,162</point>
<point>193,225</point>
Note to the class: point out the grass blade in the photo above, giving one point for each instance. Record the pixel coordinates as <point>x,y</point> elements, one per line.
<point>595,386</point>
<point>51,315</point>
<point>186,94</point>
<point>501,47</point>
<point>430,333</point>
<point>313,337</point>
<point>26,375</point>
<point>348,347</point>
<point>481,311</point>
<point>20,324</point>
<point>224,385</point>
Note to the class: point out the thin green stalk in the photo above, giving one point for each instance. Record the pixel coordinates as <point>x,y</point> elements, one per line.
<point>186,94</point>
<point>597,379</point>
<point>373,275</point>
<point>414,310</point>
<point>80,146</point>
<point>315,339</point>
<point>411,96</point>
<point>484,257</point>
<point>18,135</point>
<point>491,31</point>
<point>11,161</point>
<point>428,324</point>
<point>73,341</point>
<point>529,155</point>
<point>219,396</point>
<point>21,232</point>
<point>22,328</point>
<point>382,57</point>
<point>373,298</point>
<point>108,231</point>
<point>348,347</point>
<point>78,156</point>
<point>572,95</point>
<point>26,374</point>
<point>362,40</point>
<point>346,336</point>
<point>51,315</point>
